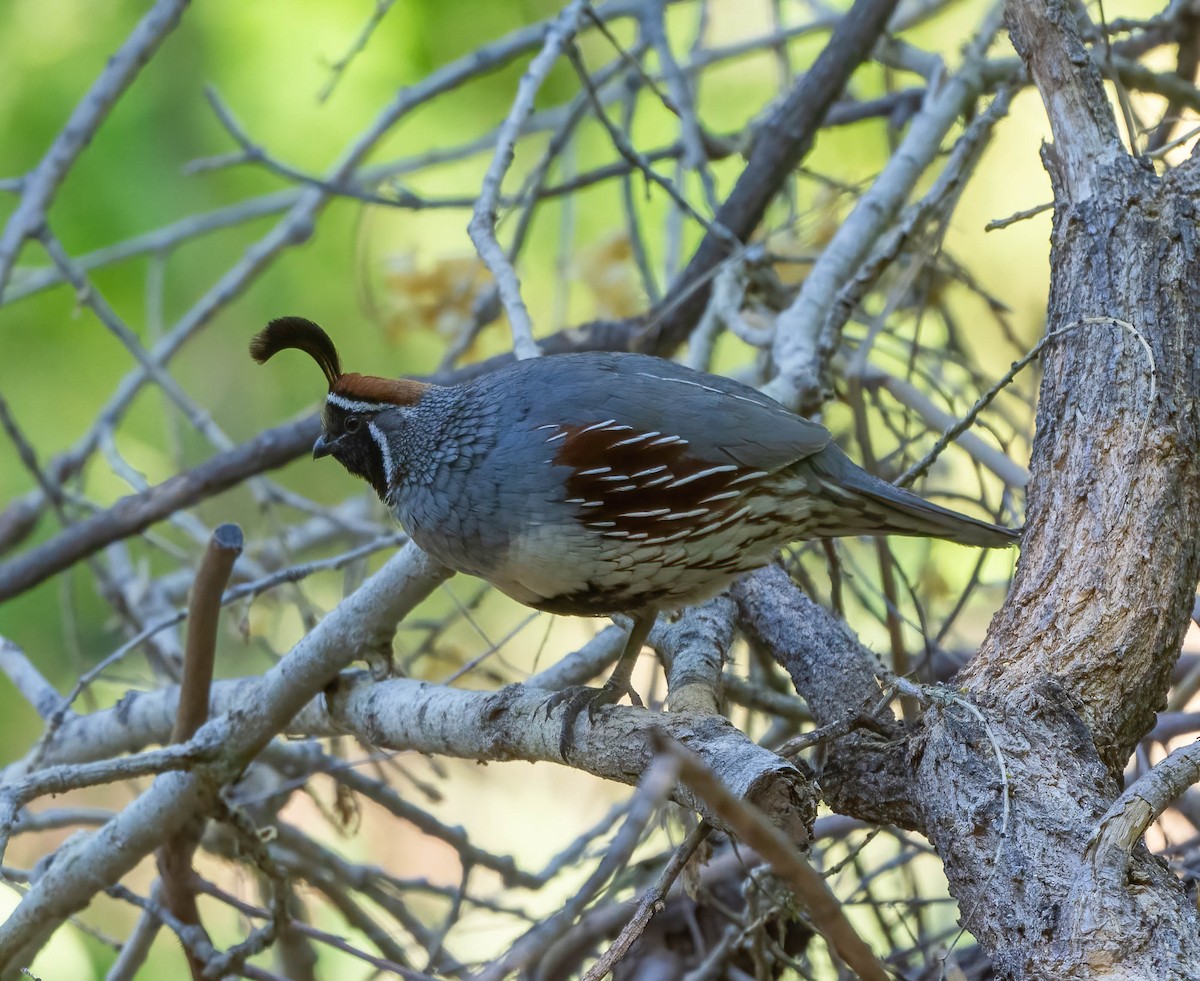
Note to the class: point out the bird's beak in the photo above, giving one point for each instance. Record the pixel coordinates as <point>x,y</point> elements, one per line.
<point>321,448</point>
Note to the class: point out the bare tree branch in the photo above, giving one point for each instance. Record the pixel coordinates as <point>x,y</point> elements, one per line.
<point>864,775</point>
<point>806,884</point>
<point>268,450</point>
<point>861,290</point>
<point>368,615</point>
<point>174,856</point>
<point>39,187</point>
<point>803,345</point>
<point>779,146</point>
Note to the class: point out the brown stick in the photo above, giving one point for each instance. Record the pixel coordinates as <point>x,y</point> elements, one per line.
<point>652,901</point>
<point>809,888</point>
<point>204,611</point>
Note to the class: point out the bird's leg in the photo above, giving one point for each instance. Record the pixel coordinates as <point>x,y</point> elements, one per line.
<point>577,698</point>
<point>618,682</point>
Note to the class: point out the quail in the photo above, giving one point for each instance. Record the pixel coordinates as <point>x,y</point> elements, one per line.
<point>600,483</point>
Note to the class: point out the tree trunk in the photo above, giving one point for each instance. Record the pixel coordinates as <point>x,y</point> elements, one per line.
<point>1079,659</point>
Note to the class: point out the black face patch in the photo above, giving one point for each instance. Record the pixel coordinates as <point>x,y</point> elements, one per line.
<point>348,435</point>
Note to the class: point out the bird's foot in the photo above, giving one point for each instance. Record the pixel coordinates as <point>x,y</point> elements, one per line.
<point>579,697</point>
<point>381,662</point>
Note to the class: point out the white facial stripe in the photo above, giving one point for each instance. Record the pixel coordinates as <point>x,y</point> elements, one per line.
<point>384,450</point>
<point>351,405</point>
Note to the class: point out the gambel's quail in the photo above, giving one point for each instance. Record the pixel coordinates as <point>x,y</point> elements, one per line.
<point>602,483</point>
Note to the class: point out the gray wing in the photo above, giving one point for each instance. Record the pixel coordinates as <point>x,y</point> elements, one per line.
<point>721,419</point>
<point>599,464</point>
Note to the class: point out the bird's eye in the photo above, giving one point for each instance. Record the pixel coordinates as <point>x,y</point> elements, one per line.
<point>351,424</point>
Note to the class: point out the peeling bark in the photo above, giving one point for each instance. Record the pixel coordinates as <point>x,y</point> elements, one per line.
<point>1080,657</point>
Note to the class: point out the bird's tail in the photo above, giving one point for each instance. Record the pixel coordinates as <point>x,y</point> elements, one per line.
<point>885,509</point>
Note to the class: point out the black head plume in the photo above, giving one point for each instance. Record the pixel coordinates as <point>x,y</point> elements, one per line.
<point>303,335</point>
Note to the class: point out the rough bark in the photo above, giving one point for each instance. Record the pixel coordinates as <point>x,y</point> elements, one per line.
<point>865,771</point>
<point>1108,567</point>
<point>1080,657</point>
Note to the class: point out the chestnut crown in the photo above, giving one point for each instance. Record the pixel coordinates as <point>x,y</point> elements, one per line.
<point>350,431</point>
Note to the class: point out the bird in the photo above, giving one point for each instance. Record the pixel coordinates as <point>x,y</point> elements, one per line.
<point>602,483</point>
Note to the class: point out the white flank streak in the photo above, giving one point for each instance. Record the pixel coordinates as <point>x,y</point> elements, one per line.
<point>680,515</point>
<point>646,514</point>
<point>663,441</point>
<point>593,471</point>
<point>720,497</point>
<point>602,524</point>
<point>351,405</point>
<point>659,480</point>
<point>752,475</point>
<point>647,473</point>
<point>575,500</point>
<point>596,425</point>
<point>562,435</point>
<point>616,429</point>
<point>701,474</point>
<point>384,449</point>
<point>634,439</point>
<point>624,487</point>
<point>549,425</point>
<point>615,476</point>
<point>592,504</point>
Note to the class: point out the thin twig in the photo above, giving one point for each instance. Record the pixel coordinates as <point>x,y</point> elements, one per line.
<point>482,226</point>
<point>650,903</point>
<point>654,788</point>
<point>806,883</point>
<point>780,143</point>
<point>270,449</point>
<point>338,68</point>
<point>39,187</point>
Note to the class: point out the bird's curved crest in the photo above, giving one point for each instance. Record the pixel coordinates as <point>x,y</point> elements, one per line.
<point>304,335</point>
